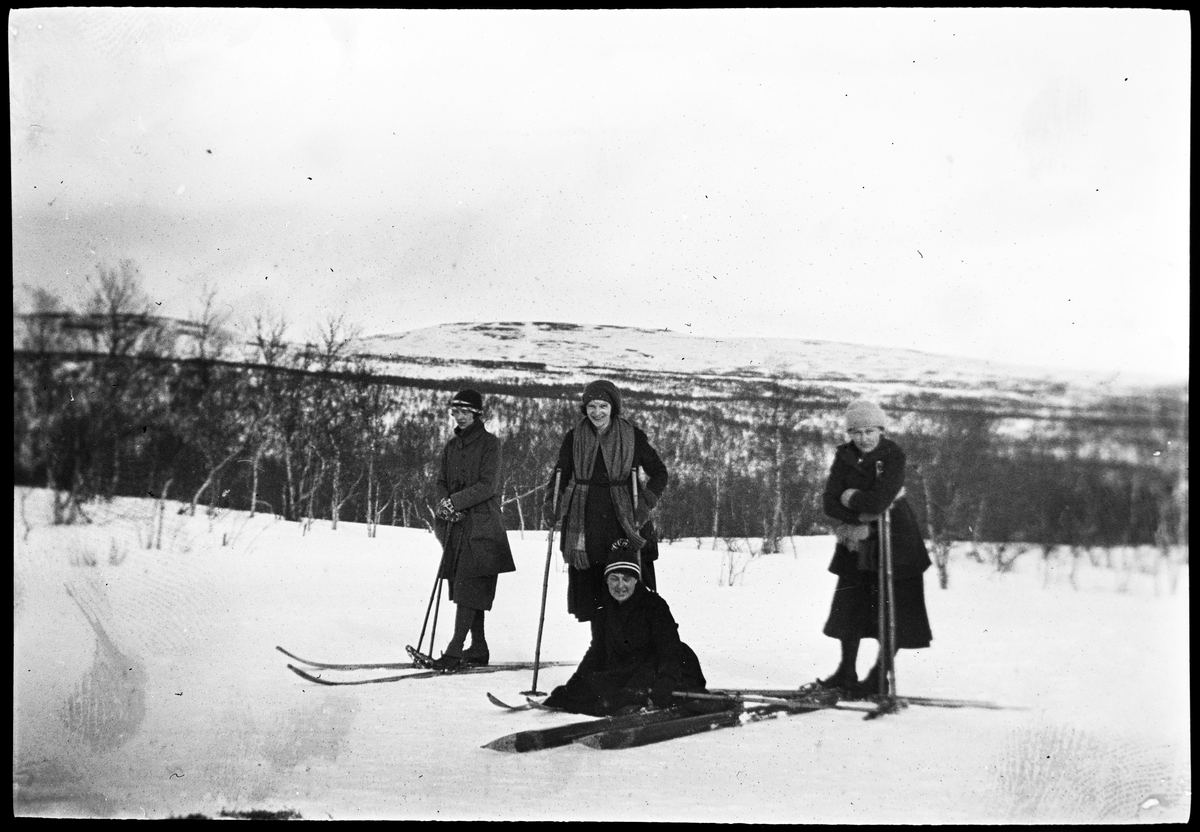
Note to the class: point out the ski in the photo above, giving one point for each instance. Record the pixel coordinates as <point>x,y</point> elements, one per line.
<point>303,674</point>
<point>353,666</point>
<point>542,738</point>
<point>426,661</point>
<point>922,701</point>
<point>811,701</point>
<point>885,706</point>
<point>500,704</point>
<point>530,705</point>
<point>802,700</point>
<point>539,705</point>
<point>420,674</point>
<point>935,702</point>
<point>780,693</point>
<point>821,699</point>
<point>685,726</point>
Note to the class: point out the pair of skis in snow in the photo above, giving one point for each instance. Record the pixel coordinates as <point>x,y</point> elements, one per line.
<point>319,672</point>
<point>733,707</point>
<point>657,725</point>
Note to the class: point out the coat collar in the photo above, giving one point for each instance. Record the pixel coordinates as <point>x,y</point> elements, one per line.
<point>851,454</point>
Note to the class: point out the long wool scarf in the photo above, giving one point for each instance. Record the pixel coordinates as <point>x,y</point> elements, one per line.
<point>617,445</point>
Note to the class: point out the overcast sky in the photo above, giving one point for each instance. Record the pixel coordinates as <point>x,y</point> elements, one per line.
<point>1001,184</point>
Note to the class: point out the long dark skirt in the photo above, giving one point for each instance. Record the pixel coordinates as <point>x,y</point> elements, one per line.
<point>587,588</point>
<point>854,614</point>
<point>476,593</point>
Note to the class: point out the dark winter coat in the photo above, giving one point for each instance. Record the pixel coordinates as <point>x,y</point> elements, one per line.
<point>601,525</point>
<point>638,633</point>
<point>879,477</point>
<point>469,476</point>
<point>635,655</point>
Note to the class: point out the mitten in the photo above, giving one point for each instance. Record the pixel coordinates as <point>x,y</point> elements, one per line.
<point>851,534</point>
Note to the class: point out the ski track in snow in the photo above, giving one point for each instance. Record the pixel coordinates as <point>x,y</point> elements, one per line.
<point>146,684</point>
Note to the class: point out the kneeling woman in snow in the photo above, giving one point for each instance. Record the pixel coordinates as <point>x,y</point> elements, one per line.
<point>636,657</point>
<point>867,476</point>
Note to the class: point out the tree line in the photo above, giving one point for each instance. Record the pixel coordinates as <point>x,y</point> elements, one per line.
<point>111,400</point>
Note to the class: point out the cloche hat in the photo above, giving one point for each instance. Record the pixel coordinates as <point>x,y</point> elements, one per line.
<point>470,399</point>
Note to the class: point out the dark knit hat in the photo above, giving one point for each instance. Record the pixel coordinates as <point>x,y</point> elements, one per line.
<point>470,399</point>
<point>604,390</point>
<point>622,557</point>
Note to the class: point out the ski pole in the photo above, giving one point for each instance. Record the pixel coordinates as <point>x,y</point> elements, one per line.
<point>449,576</point>
<point>634,475</point>
<point>881,618</point>
<point>891,604</point>
<point>537,652</point>
<point>437,580</point>
<point>437,608</point>
<point>881,599</point>
<point>429,607</point>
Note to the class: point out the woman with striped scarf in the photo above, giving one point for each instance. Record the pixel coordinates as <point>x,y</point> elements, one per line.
<point>601,499</point>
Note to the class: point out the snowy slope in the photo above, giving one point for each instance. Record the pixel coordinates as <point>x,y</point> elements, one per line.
<point>146,684</point>
<point>597,348</point>
<point>679,364</point>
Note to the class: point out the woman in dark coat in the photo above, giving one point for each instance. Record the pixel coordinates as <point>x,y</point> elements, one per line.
<point>867,476</point>
<point>636,658</point>
<point>468,524</point>
<point>598,461</point>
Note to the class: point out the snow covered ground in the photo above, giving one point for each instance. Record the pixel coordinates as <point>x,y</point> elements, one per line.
<point>146,684</point>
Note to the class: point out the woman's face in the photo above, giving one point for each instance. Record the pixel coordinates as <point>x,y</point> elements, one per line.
<point>621,585</point>
<point>865,439</point>
<point>600,413</point>
<point>462,416</point>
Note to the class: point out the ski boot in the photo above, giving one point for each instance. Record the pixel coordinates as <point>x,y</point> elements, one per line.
<point>477,657</point>
<point>843,684</point>
<point>449,664</point>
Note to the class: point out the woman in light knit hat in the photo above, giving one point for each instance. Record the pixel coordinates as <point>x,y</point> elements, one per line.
<point>867,476</point>
<point>598,462</point>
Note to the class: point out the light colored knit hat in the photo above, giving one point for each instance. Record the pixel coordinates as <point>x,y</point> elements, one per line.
<point>865,414</point>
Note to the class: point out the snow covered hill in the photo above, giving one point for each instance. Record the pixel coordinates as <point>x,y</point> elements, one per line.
<point>561,354</point>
